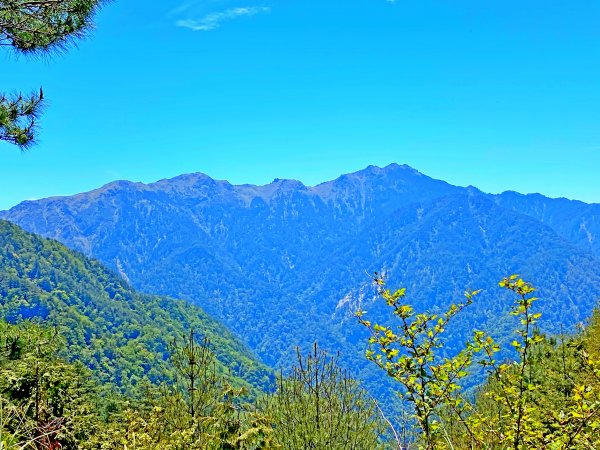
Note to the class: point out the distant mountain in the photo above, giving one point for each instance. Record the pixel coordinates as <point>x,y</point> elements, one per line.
<point>285,264</point>
<point>577,221</point>
<point>120,334</point>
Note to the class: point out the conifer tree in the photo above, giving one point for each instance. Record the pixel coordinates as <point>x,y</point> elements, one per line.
<point>320,406</point>
<point>36,26</point>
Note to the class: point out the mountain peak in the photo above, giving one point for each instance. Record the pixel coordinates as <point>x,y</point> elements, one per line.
<point>187,178</point>
<point>287,183</point>
<point>389,169</point>
<point>118,184</point>
<point>190,183</point>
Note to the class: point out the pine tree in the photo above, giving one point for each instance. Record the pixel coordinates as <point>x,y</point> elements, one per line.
<point>320,406</point>
<point>37,26</point>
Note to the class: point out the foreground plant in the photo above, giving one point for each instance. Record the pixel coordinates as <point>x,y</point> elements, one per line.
<point>505,412</point>
<point>201,411</point>
<point>45,401</point>
<point>320,406</point>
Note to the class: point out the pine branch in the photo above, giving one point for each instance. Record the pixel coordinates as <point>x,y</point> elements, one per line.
<point>44,25</point>
<point>37,26</point>
<point>18,118</point>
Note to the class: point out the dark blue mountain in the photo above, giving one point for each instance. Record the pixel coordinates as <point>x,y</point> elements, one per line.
<point>285,264</point>
<point>577,221</point>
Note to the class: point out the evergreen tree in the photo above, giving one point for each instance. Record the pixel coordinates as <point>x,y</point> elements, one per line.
<point>200,411</point>
<point>33,26</point>
<point>320,406</point>
<point>45,401</point>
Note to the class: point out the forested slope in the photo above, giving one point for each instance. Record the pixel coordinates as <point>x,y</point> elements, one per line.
<point>123,336</point>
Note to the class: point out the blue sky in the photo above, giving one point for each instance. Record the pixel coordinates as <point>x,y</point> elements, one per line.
<point>497,94</point>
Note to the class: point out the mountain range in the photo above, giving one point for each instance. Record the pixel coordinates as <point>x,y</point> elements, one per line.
<point>286,264</point>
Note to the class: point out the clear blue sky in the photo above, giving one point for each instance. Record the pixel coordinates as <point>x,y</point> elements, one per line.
<point>499,94</point>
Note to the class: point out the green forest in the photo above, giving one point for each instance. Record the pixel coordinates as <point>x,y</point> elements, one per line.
<point>88,363</point>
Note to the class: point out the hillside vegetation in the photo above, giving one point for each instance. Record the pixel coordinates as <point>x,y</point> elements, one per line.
<point>546,396</point>
<point>119,334</point>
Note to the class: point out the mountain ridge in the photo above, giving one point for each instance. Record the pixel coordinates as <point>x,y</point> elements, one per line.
<point>372,169</point>
<point>577,220</point>
<point>284,264</point>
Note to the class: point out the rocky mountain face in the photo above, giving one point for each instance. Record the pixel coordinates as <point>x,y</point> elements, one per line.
<point>285,264</point>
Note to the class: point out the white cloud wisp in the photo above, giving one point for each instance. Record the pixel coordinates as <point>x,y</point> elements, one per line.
<point>214,20</point>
